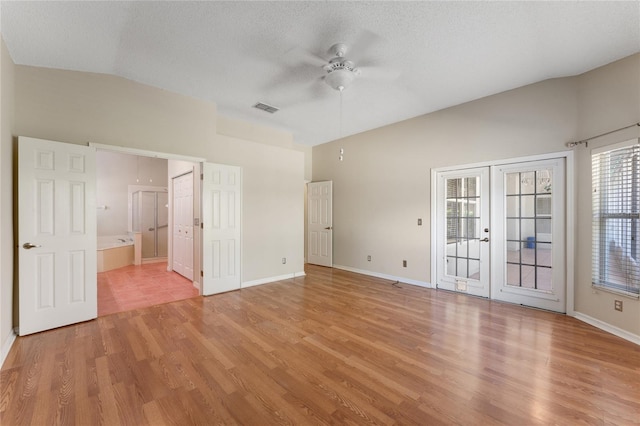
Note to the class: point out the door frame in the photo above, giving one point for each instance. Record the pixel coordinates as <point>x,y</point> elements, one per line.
<point>167,156</point>
<point>570,212</point>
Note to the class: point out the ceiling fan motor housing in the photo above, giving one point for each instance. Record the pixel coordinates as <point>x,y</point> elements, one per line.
<point>340,71</point>
<point>338,49</point>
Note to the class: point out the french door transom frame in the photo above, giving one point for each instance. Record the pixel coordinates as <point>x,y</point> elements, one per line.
<point>569,211</point>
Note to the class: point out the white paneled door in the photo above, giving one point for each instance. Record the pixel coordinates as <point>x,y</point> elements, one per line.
<point>56,234</point>
<point>320,223</point>
<point>182,252</point>
<point>463,237</point>
<point>221,223</point>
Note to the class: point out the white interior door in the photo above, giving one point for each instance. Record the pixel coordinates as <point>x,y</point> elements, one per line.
<point>183,225</point>
<point>221,224</point>
<point>529,263</point>
<point>320,223</point>
<point>56,234</point>
<point>463,239</point>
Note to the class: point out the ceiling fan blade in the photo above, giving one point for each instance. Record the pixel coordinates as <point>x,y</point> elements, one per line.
<point>379,73</point>
<point>363,42</point>
<point>313,90</point>
<point>298,55</point>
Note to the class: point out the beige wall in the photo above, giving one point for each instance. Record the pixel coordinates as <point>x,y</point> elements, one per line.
<point>77,107</point>
<point>272,206</point>
<point>383,185</point>
<point>7,69</point>
<point>609,98</point>
<point>234,128</point>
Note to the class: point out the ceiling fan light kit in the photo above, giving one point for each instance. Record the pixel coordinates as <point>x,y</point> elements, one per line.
<point>339,79</point>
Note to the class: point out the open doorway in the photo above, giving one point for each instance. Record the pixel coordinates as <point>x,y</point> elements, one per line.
<point>135,251</point>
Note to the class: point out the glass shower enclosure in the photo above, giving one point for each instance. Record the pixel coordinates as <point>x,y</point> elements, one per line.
<point>150,219</point>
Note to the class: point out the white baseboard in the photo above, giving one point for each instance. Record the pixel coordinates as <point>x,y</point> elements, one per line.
<point>385,276</point>
<point>6,346</point>
<point>633,338</point>
<point>272,279</point>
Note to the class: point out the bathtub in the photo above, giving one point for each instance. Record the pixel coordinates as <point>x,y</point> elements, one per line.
<point>114,251</point>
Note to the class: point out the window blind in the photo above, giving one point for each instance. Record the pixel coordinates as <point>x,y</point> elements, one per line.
<point>616,218</point>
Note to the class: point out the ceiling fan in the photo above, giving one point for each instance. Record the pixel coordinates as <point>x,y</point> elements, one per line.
<point>341,71</point>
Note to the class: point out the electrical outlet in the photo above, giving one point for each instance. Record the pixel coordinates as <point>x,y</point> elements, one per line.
<point>284,260</point>
<point>617,304</point>
<point>369,258</point>
<point>404,263</point>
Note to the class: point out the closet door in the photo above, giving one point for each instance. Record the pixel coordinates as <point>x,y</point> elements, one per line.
<point>183,225</point>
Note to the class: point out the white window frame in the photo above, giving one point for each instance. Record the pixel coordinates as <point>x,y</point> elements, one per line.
<point>603,259</point>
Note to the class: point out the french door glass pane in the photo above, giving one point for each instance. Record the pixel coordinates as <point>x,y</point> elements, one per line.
<point>528,206</point>
<point>528,229</point>
<point>463,227</point>
<point>513,206</point>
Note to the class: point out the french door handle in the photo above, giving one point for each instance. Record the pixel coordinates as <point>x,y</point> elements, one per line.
<point>485,240</point>
<point>329,228</point>
<point>29,246</point>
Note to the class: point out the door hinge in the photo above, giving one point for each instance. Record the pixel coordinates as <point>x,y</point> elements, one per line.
<point>201,225</point>
<point>202,273</point>
<point>201,176</point>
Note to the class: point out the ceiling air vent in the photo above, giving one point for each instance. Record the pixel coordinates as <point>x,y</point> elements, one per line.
<point>268,108</point>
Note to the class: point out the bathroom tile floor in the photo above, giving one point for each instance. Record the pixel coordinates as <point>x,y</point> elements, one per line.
<point>133,287</point>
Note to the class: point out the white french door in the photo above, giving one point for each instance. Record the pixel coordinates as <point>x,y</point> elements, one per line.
<point>518,253</point>
<point>221,222</point>
<point>56,234</point>
<point>463,239</point>
<point>529,200</point>
<point>320,223</point>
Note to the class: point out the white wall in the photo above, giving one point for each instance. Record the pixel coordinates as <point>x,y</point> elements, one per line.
<point>7,98</point>
<point>115,171</point>
<point>383,185</point>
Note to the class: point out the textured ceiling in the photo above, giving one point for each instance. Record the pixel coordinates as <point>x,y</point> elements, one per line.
<point>419,56</point>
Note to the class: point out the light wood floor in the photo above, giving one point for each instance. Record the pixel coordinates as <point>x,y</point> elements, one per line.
<point>329,348</point>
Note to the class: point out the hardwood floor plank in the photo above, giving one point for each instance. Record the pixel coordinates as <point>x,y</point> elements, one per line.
<point>332,347</point>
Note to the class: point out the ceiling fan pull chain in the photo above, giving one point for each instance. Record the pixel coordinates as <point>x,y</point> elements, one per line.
<point>340,129</point>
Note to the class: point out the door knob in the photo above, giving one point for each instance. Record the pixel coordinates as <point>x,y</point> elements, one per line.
<point>329,228</point>
<point>29,246</point>
<point>485,240</point>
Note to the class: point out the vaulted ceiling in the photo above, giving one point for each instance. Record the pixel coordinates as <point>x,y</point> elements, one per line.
<point>416,57</point>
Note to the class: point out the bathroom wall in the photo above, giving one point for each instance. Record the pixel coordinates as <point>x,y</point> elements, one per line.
<point>115,172</point>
